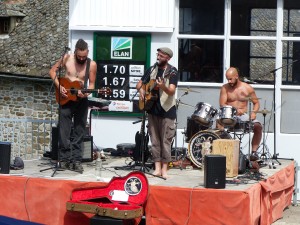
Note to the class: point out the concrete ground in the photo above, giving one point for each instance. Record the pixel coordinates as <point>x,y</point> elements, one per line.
<point>291,216</point>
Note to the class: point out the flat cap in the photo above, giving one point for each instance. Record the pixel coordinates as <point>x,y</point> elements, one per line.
<point>166,50</point>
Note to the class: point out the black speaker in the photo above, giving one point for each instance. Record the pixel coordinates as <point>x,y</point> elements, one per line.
<point>242,162</point>
<point>96,220</point>
<point>87,146</point>
<point>214,171</point>
<point>5,152</point>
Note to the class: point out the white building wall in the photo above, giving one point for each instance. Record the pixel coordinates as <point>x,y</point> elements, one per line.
<point>122,15</point>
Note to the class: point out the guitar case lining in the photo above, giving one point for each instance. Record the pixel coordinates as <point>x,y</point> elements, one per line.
<point>121,198</point>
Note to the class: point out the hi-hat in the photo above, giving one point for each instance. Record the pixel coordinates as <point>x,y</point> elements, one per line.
<point>188,90</point>
<point>264,111</point>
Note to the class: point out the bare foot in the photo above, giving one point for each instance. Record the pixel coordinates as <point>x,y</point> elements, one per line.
<point>157,173</point>
<point>165,175</point>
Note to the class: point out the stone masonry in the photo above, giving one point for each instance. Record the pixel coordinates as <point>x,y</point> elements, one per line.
<point>26,92</point>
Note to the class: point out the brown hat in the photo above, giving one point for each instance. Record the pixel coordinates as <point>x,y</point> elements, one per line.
<point>166,50</point>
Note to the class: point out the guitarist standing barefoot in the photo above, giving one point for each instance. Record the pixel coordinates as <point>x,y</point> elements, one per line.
<point>80,69</point>
<point>159,102</point>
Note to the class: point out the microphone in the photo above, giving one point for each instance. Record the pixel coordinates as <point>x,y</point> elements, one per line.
<point>273,71</point>
<point>249,81</point>
<point>138,121</point>
<point>187,91</point>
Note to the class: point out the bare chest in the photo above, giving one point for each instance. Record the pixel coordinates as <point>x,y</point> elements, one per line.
<point>237,94</point>
<point>75,71</point>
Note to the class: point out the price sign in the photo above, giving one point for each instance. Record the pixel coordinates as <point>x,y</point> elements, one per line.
<point>116,77</point>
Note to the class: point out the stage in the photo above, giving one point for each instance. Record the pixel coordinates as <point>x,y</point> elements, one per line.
<point>36,196</point>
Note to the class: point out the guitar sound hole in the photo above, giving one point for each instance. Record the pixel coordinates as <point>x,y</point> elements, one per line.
<point>73,91</point>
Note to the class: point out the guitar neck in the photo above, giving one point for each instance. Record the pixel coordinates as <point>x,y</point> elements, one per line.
<point>89,90</point>
<point>84,90</point>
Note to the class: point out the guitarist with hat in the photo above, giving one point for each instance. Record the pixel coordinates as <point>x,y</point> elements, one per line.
<point>81,70</point>
<point>160,81</point>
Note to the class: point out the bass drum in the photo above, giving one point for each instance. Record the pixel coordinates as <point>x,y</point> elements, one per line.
<point>201,144</point>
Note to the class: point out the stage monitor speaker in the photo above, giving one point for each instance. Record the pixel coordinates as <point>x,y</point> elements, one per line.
<point>5,152</point>
<point>214,171</point>
<point>96,220</point>
<point>87,153</point>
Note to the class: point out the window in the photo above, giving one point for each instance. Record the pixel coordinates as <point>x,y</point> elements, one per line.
<point>4,25</point>
<point>201,60</point>
<point>250,38</point>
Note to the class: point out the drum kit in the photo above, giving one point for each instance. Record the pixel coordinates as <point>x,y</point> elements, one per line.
<point>200,135</point>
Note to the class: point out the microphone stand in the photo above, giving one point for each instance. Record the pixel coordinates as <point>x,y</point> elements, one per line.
<point>274,107</point>
<point>57,165</point>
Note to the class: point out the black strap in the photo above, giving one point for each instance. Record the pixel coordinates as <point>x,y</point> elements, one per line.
<point>87,72</point>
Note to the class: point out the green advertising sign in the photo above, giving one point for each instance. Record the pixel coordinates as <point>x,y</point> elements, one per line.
<point>122,59</point>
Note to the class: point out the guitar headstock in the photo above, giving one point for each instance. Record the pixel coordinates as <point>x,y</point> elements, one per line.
<point>104,91</point>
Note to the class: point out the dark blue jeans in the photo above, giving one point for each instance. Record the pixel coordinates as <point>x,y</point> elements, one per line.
<point>72,114</point>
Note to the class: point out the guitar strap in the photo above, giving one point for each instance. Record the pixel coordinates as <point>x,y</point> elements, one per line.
<point>87,72</point>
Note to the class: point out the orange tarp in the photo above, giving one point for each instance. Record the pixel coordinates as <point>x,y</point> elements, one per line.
<point>44,201</point>
<point>262,203</point>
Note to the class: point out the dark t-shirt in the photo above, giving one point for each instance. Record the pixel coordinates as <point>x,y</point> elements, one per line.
<point>157,108</point>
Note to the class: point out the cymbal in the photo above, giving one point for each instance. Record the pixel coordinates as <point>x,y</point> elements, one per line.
<point>188,90</point>
<point>264,111</point>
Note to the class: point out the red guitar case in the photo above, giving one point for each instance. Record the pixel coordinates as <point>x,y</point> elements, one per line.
<point>121,198</point>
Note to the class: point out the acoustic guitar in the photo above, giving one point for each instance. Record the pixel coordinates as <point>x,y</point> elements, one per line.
<point>73,87</point>
<point>151,96</point>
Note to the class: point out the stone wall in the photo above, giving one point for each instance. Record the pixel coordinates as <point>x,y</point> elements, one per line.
<point>27,102</point>
<point>27,111</point>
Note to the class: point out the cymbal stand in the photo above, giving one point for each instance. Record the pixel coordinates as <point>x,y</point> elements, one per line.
<point>265,155</point>
<point>250,129</point>
<point>177,106</point>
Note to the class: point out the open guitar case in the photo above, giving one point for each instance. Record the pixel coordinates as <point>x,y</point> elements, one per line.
<point>121,198</point>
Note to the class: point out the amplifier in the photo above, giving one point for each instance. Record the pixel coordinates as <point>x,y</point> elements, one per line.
<point>87,153</point>
<point>5,152</point>
<point>214,171</point>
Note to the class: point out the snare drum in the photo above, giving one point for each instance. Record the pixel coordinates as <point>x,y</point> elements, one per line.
<point>204,114</point>
<point>241,127</point>
<point>227,116</point>
<point>201,144</point>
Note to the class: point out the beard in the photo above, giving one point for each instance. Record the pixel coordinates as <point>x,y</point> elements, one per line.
<point>161,63</point>
<point>233,84</point>
<point>79,61</point>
